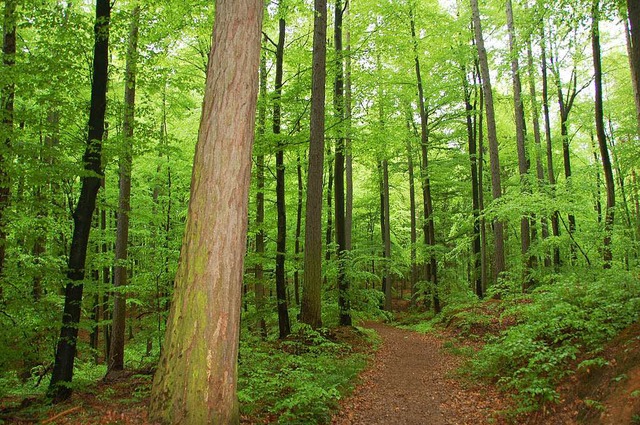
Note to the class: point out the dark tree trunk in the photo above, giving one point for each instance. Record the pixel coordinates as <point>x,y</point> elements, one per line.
<point>298,248</point>
<point>281,240</point>
<point>601,136</point>
<point>496,185</point>
<point>429,228</point>
<point>59,388</point>
<point>260,234</point>
<point>116,352</point>
<point>555,218</point>
<point>475,188</point>
<point>310,312</point>
<point>633,12</point>
<point>341,234</point>
<point>412,208</point>
<point>348,213</point>
<point>523,160</point>
<point>7,97</point>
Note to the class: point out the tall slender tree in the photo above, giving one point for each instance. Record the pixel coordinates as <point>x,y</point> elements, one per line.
<point>601,136</point>
<point>494,156</point>
<point>633,15</point>
<point>116,352</point>
<point>310,312</point>
<point>59,388</point>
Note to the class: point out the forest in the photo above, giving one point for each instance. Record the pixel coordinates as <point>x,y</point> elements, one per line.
<point>310,212</point>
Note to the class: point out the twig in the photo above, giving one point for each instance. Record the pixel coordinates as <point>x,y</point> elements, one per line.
<point>61,414</point>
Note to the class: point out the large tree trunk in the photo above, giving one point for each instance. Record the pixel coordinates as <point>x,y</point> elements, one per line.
<point>429,228</point>
<point>555,217</point>
<point>348,213</point>
<point>496,185</point>
<point>59,388</point>
<point>310,312</point>
<point>7,100</point>
<point>523,160</point>
<point>281,239</point>
<point>602,138</point>
<point>116,352</point>
<point>196,378</point>
<point>341,234</point>
<point>633,11</point>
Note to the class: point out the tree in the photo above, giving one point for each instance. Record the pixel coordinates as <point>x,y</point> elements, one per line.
<point>523,161</point>
<point>196,378</point>
<point>341,231</point>
<point>7,96</point>
<point>496,185</point>
<point>116,351</point>
<point>59,388</point>
<point>310,309</point>
<point>601,136</point>
<point>633,11</point>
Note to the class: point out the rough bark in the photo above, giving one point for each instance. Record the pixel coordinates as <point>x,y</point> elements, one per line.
<point>607,255</point>
<point>281,238</point>
<point>59,389</point>
<point>310,312</point>
<point>496,185</point>
<point>116,352</point>
<point>197,374</point>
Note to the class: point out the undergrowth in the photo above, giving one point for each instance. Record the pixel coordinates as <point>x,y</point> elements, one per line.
<point>299,380</point>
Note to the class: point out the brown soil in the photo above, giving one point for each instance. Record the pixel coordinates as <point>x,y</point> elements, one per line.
<point>412,381</point>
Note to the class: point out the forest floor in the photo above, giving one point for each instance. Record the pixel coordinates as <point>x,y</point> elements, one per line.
<point>413,381</point>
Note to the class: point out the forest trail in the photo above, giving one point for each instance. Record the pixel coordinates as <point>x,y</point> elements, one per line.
<point>411,382</point>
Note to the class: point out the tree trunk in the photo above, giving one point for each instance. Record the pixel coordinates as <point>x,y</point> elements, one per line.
<point>429,228</point>
<point>496,185</point>
<point>298,248</point>
<point>310,312</point>
<point>475,189</point>
<point>59,388</point>
<point>555,218</point>
<point>197,374</point>
<point>116,352</point>
<point>7,96</point>
<point>607,255</point>
<point>348,213</point>
<point>386,235</point>
<point>412,209</point>
<point>633,11</point>
<point>341,234</point>
<point>523,160</point>
<point>260,234</point>
<point>281,239</point>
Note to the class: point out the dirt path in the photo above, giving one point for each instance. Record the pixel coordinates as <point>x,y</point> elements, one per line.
<point>411,382</point>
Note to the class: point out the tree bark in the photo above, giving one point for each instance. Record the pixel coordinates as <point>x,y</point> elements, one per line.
<point>607,255</point>
<point>429,228</point>
<point>59,388</point>
<point>7,96</point>
<point>633,12</point>
<point>386,235</point>
<point>116,352</point>
<point>281,239</point>
<point>412,208</point>
<point>197,374</point>
<point>496,185</point>
<point>555,218</point>
<point>298,248</point>
<point>310,312</point>
<point>348,214</point>
<point>344,304</point>
<point>523,160</point>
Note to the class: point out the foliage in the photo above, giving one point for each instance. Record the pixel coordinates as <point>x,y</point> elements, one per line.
<point>578,313</point>
<point>298,380</point>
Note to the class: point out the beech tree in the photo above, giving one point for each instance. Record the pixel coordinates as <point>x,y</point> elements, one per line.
<point>196,378</point>
<point>59,389</point>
